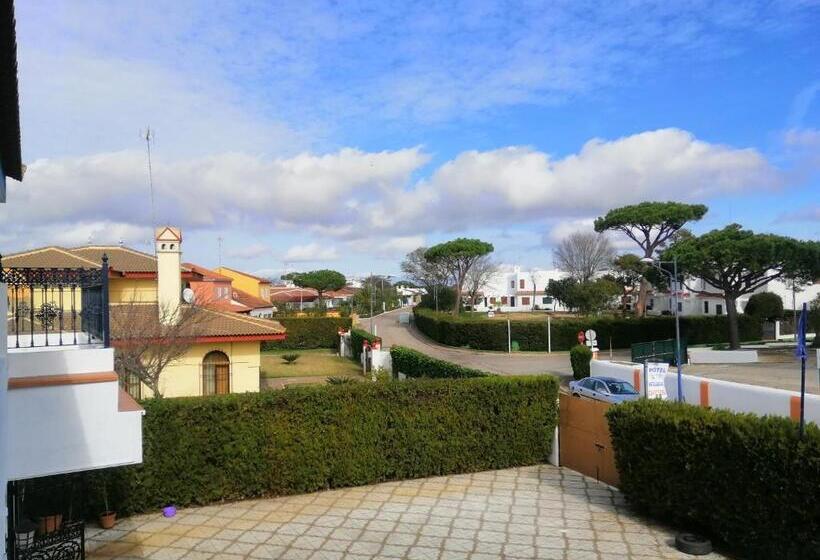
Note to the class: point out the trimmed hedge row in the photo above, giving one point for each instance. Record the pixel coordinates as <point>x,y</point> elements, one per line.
<point>357,338</point>
<point>310,332</point>
<point>486,334</point>
<point>303,439</point>
<point>745,480</point>
<point>415,364</point>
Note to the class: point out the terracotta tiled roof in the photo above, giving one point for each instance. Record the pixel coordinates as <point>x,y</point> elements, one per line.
<point>258,278</point>
<point>121,259</point>
<point>229,305</point>
<point>207,274</point>
<point>48,257</point>
<point>249,300</point>
<point>293,295</point>
<point>209,325</point>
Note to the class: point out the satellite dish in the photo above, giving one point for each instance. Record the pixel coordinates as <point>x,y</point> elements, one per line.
<point>188,295</point>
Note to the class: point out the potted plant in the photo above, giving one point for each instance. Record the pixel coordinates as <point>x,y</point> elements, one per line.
<point>49,523</point>
<point>107,518</point>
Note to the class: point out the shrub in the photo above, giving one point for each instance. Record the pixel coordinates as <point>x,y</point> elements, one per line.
<point>357,338</point>
<point>765,305</point>
<point>744,480</point>
<point>340,380</point>
<point>579,358</point>
<point>310,332</point>
<point>415,364</point>
<point>446,298</point>
<point>289,358</point>
<point>481,333</point>
<point>303,439</point>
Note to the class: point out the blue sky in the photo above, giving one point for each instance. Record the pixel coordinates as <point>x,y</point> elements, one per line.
<point>343,135</point>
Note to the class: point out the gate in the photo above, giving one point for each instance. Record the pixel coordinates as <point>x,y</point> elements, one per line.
<point>583,438</point>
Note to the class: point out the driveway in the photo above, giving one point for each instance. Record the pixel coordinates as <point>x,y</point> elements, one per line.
<point>392,332</point>
<point>542,512</point>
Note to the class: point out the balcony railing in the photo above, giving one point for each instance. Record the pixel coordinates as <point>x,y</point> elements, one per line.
<point>57,306</point>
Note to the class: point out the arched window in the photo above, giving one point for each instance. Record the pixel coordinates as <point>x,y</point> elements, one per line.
<point>216,374</point>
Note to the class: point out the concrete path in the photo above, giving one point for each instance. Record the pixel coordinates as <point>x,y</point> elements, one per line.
<point>539,512</point>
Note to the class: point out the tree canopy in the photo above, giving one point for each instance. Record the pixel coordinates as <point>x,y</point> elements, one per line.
<point>651,225</point>
<point>582,255</point>
<point>766,305</point>
<point>738,261</point>
<point>423,272</point>
<point>457,257</point>
<point>320,280</point>
<point>592,296</point>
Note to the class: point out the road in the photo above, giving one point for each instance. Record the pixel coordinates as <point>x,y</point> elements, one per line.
<point>387,326</point>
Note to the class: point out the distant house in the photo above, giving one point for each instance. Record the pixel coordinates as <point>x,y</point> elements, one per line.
<point>513,290</point>
<point>254,285</point>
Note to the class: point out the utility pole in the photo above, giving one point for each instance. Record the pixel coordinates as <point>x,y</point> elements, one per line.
<point>370,289</point>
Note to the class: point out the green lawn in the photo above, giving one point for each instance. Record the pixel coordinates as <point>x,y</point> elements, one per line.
<point>321,362</point>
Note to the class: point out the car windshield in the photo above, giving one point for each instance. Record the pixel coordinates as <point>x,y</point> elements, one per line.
<point>620,388</point>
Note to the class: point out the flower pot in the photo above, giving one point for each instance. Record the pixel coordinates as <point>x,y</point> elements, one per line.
<point>49,523</point>
<point>24,534</point>
<point>108,519</point>
<point>169,511</point>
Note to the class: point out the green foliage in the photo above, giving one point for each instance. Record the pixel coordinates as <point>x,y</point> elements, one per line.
<point>814,321</point>
<point>460,248</point>
<point>320,280</point>
<point>446,298</point>
<point>766,305</point>
<point>357,338</point>
<point>310,332</point>
<point>744,480</point>
<point>592,296</point>
<point>416,364</point>
<point>304,439</point>
<point>289,358</point>
<point>641,218</point>
<point>340,380</point>
<point>481,333</point>
<point>378,292</point>
<point>579,357</point>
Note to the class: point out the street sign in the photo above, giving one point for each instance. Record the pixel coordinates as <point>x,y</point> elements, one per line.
<point>591,338</point>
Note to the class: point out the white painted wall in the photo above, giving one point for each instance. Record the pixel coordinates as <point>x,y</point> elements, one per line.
<point>739,397</point>
<point>507,283</point>
<point>69,428</point>
<point>709,356</point>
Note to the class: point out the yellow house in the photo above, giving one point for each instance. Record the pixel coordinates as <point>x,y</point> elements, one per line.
<point>223,355</point>
<point>260,287</point>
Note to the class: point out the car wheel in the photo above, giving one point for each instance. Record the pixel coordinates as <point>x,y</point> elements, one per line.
<point>693,544</point>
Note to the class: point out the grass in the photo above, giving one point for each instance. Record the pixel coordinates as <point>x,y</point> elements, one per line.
<point>321,362</point>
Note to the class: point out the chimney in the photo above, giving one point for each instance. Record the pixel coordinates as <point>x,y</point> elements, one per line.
<point>168,242</point>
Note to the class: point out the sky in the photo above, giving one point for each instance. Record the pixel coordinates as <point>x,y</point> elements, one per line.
<point>303,135</point>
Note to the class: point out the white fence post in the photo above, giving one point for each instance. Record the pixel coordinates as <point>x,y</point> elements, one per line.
<point>549,334</point>
<point>509,338</point>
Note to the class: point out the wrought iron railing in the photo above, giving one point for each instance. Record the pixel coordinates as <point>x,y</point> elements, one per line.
<point>57,306</point>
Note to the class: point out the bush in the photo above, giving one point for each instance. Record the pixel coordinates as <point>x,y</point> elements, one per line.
<point>765,305</point>
<point>310,332</point>
<point>446,298</point>
<point>415,364</point>
<point>481,333</point>
<point>201,450</point>
<point>289,358</point>
<point>357,338</point>
<point>579,357</point>
<point>744,480</point>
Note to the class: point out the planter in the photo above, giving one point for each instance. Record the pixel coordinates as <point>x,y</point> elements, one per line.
<point>24,534</point>
<point>49,523</point>
<point>169,511</point>
<point>108,519</point>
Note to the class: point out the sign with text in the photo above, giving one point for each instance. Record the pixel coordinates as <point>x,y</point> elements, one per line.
<point>656,380</point>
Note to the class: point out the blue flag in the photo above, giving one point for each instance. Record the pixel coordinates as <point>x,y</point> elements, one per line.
<point>802,323</point>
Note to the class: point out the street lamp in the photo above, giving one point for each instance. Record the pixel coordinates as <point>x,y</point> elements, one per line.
<point>673,277</point>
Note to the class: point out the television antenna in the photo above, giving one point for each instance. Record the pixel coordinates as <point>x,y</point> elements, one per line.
<point>149,137</point>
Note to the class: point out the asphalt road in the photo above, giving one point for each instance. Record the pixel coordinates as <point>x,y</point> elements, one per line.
<point>387,326</point>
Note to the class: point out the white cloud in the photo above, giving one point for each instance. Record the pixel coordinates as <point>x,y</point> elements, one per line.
<point>310,252</point>
<point>252,251</point>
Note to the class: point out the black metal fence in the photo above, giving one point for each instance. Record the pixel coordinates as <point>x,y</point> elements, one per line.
<point>46,518</point>
<point>57,306</point>
<point>658,351</point>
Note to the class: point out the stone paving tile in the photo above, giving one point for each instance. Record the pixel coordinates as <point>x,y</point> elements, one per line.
<point>539,512</point>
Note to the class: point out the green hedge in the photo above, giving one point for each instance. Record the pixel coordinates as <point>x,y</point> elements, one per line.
<point>415,364</point>
<point>579,358</point>
<point>482,333</point>
<point>310,332</point>
<point>357,337</point>
<point>303,439</point>
<point>745,480</point>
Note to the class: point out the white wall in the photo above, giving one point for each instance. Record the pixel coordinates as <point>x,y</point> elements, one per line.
<point>507,283</point>
<point>739,397</point>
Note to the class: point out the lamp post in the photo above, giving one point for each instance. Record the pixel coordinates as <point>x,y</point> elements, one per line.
<point>673,277</point>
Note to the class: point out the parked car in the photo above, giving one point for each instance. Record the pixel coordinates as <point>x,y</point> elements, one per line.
<point>607,389</point>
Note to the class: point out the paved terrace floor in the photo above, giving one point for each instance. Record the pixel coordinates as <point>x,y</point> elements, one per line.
<point>541,512</point>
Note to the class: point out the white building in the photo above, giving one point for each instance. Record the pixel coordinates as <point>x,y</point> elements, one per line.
<point>512,289</point>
